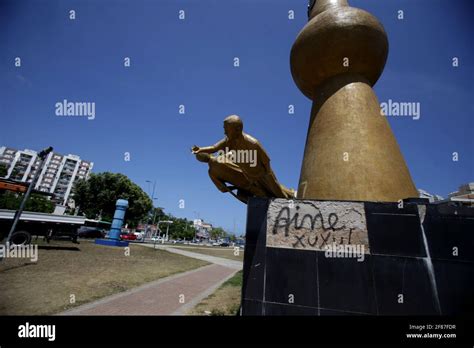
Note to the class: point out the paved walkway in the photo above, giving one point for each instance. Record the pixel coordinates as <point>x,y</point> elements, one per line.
<point>174,295</point>
<point>212,259</point>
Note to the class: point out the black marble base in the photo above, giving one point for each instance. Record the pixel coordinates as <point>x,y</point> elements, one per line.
<point>396,278</point>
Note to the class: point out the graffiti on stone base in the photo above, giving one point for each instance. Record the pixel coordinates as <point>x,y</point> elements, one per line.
<point>316,225</point>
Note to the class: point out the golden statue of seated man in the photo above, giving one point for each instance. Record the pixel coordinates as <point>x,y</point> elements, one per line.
<point>242,162</point>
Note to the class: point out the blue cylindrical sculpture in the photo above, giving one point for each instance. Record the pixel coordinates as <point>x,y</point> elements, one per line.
<point>114,234</point>
<point>121,208</point>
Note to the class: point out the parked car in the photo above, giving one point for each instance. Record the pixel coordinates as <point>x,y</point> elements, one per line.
<point>128,236</point>
<point>140,236</point>
<point>158,239</point>
<point>90,232</point>
<point>224,244</point>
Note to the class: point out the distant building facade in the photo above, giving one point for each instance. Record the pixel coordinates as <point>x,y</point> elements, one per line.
<point>59,174</point>
<point>432,198</point>
<point>203,229</point>
<point>464,195</point>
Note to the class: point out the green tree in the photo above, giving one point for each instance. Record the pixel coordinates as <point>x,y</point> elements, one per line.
<point>36,202</point>
<point>179,229</point>
<point>218,232</point>
<point>156,214</point>
<point>182,228</point>
<point>3,170</point>
<point>98,195</point>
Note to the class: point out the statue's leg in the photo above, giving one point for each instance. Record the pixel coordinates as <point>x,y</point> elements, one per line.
<point>228,172</point>
<point>271,184</point>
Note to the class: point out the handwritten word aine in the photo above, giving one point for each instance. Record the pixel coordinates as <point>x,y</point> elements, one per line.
<point>285,220</point>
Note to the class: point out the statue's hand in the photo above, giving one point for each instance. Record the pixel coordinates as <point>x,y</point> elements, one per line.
<point>195,149</point>
<point>229,188</point>
<point>224,189</point>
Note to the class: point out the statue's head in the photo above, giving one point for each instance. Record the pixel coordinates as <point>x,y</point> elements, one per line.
<point>233,126</point>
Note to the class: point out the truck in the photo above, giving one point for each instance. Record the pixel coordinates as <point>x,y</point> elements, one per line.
<point>49,226</point>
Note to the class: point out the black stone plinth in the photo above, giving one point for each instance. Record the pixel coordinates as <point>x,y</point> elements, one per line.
<point>429,261</point>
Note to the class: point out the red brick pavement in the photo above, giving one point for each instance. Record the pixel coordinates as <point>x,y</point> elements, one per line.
<point>162,297</point>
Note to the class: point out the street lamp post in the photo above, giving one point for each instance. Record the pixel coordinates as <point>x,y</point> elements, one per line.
<point>42,155</point>
<point>168,222</point>
<point>152,196</point>
<point>195,229</point>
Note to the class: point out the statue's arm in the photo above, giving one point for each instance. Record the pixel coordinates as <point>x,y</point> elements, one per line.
<point>206,149</point>
<point>210,149</point>
<point>264,159</point>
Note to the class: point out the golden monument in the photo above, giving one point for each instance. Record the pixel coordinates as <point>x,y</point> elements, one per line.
<point>243,163</point>
<point>350,151</point>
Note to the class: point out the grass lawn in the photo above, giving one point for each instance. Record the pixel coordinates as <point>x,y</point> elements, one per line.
<point>86,274</point>
<point>227,253</point>
<point>224,301</point>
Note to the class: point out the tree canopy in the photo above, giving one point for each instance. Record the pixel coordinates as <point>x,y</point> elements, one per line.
<point>97,196</point>
<point>181,228</point>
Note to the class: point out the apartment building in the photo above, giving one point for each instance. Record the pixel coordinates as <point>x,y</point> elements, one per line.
<point>58,176</point>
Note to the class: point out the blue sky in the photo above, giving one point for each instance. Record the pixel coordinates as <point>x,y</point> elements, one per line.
<point>190,62</point>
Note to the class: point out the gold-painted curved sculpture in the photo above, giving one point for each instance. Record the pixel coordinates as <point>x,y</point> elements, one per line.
<point>350,151</point>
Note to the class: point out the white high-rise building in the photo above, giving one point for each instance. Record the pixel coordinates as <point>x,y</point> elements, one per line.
<point>58,176</point>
